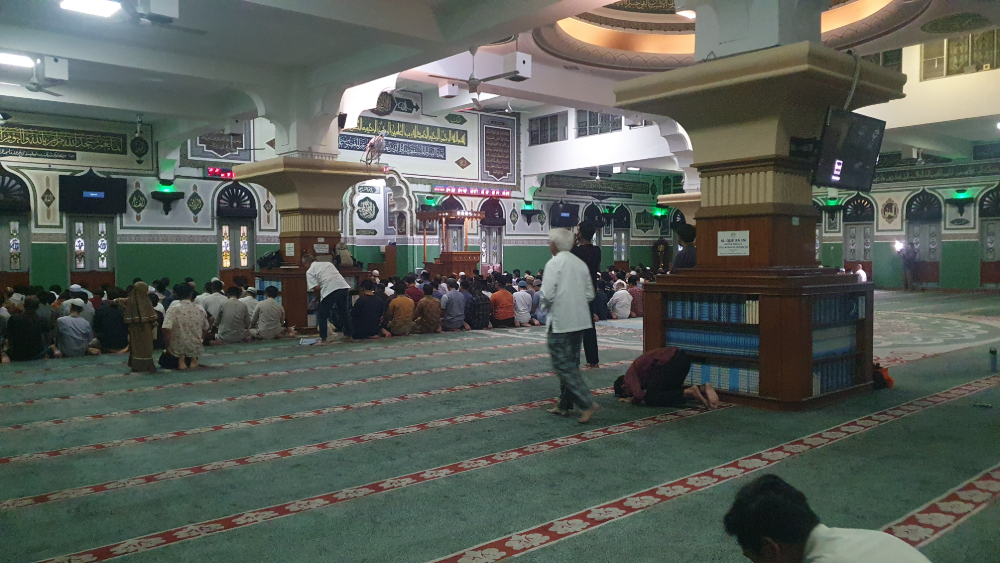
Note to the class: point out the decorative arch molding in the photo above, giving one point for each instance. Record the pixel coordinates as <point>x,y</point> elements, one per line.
<point>859,209</point>
<point>622,217</point>
<point>452,203</point>
<point>989,203</point>
<point>15,193</point>
<point>236,200</point>
<point>496,216</point>
<point>677,218</point>
<point>594,214</point>
<point>924,206</point>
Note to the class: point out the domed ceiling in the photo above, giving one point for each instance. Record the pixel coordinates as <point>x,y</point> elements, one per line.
<point>649,36</point>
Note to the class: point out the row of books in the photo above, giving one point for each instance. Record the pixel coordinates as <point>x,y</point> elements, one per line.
<point>834,341</point>
<point>838,308</point>
<point>728,378</point>
<point>715,342</point>
<point>834,375</point>
<point>715,307</point>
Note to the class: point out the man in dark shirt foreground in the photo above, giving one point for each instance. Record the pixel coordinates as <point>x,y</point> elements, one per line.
<point>687,257</point>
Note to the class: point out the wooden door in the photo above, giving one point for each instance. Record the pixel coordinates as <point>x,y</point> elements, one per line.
<point>926,237</point>
<point>858,246</point>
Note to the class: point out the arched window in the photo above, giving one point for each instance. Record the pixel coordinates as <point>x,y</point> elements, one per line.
<point>924,206</point>
<point>859,209</point>
<point>235,200</point>
<point>494,213</point>
<point>622,218</point>
<point>989,204</point>
<point>14,196</point>
<point>595,215</point>
<point>15,231</point>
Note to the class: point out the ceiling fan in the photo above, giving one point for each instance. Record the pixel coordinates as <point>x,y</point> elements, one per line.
<point>473,83</point>
<point>36,85</point>
<point>154,20</point>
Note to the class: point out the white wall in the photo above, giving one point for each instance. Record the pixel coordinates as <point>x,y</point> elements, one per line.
<point>941,99</point>
<point>627,145</point>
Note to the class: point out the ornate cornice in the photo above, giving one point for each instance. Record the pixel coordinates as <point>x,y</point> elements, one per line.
<point>560,44</point>
<point>932,173</point>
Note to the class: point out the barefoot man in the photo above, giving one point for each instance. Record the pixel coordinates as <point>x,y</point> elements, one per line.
<point>566,294</point>
<point>656,379</point>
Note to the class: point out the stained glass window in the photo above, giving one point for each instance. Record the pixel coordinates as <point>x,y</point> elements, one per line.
<point>15,246</point>
<point>244,247</point>
<point>226,248</point>
<point>102,246</point>
<point>80,247</point>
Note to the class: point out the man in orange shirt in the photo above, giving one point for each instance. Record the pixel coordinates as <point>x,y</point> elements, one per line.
<point>502,305</point>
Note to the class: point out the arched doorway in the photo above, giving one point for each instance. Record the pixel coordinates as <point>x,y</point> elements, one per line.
<point>236,211</point>
<point>452,240</point>
<point>491,230</point>
<point>923,229</point>
<point>15,230</point>
<point>595,215</point>
<point>621,228</point>
<point>989,231</point>
<point>859,232</point>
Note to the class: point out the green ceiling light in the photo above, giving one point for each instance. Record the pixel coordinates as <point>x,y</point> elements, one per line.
<point>529,205</point>
<point>166,187</point>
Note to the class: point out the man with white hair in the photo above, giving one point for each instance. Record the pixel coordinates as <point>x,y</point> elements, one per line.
<point>566,293</point>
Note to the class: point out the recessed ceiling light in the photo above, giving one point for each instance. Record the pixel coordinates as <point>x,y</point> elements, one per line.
<point>689,14</point>
<point>102,8</point>
<point>633,169</point>
<point>998,125</point>
<point>16,60</point>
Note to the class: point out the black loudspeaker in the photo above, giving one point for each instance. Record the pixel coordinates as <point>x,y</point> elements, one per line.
<point>341,120</point>
<point>564,215</point>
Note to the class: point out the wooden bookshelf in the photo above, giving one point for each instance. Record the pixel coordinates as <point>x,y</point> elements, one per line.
<point>797,309</point>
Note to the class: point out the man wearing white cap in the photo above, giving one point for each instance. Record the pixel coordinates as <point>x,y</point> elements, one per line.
<point>250,300</point>
<point>74,332</point>
<point>375,277</point>
<point>77,292</point>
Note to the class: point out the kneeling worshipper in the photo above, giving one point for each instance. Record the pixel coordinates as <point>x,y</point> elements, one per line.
<point>502,305</point>
<point>398,320</point>
<point>477,307</point>
<point>25,334</point>
<point>109,324</point>
<point>142,321</point>
<point>427,315</point>
<point>620,303</point>
<point>234,319</point>
<point>74,334</point>
<point>367,312</point>
<point>184,328</point>
<point>453,304</point>
<point>268,320</point>
<point>250,300</point>
<point>656,379</point>
<point>522,306</point>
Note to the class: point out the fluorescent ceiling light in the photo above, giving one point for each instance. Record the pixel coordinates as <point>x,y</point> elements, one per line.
<point>998,125</point>
<point>616,169</point>
<point>16,60</point>
<point>633,169</point>
<point>102,8</point>
<point>689,14</point>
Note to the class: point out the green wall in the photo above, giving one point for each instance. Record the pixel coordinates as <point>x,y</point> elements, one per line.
<point>525,258</point>
<point>832,254</point>
<point>642,253</point>
<point>263,249</point>
<point>367,254</point>
<point>175,261</point>
<point>887,265</point>
<point>959,264</point>
<point>48,264</point>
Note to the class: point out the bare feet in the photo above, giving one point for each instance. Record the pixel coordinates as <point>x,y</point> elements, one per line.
<point>194,363</point>
<point>347,339</point>
<point>696,392</point>
<point>559,411</point>
<point>712,396</point>
<point>593,366</point>
<point>585,416</point>
<point>181,362</point>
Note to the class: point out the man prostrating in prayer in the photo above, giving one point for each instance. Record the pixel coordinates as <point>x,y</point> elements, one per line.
<point>656,379</point>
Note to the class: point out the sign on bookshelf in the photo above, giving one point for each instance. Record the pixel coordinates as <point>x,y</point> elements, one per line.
<point>734,243</point>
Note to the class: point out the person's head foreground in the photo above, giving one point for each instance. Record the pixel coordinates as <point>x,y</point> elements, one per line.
<point>771,520</point>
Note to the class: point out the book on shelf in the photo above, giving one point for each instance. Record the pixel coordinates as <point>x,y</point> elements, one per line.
<point>714,307</point>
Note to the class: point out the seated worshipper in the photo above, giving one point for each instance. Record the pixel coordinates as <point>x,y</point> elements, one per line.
<point>636,292</point>
<point>656,379</point>
<point>538,313</point>
<point>158,333</point>
<point>214,301</point>
<point>367,312</point>
<point>268,320</point>
<point>453,305</point>
<point>477,308</point>
<point>427,314</point>
<point>109,325</point>
<point>860,272</point>
<point>381,293</point>
<point>142,320</point>
<point>599,306</point>
<point>688,256</point>
<point>25,334</point>
<point>398,319</point>
<point>234,319</point>
<point>773,523</point>
<point>250,300</point>
<point>621,302</point>
<point>522,306</point>
<point>412,291</point>
<point>75,291</point>
<point>184,328</point>
<point>502,305</point>
<point>74,334</point>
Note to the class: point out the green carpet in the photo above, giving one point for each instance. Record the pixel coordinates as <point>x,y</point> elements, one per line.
<point>934,341</point>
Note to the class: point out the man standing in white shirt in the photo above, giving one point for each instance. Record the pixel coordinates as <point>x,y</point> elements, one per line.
<point>860,272</point>
<point>334,295</point>
<point>566,294</point>
<point>773,524</point>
